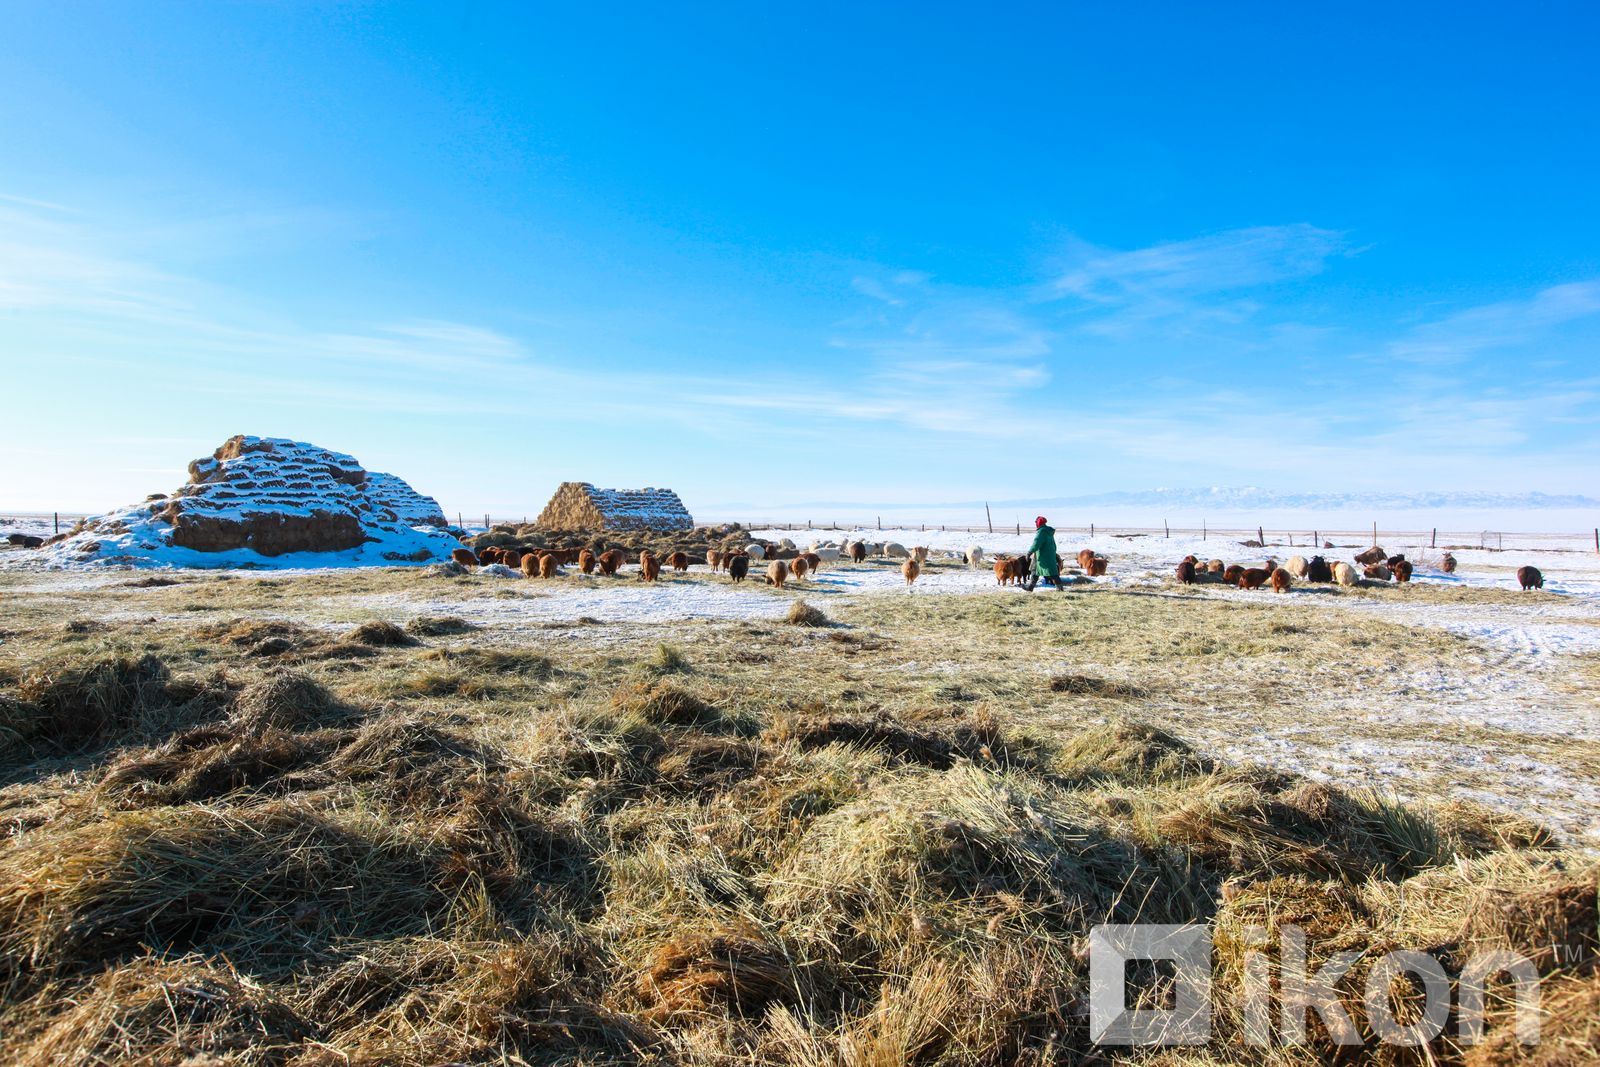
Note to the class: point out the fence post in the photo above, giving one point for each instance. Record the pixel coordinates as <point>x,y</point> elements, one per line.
<point>1374,535</point>
<point>1205,535</point>
<point>1316,536</point>
<point>58,521</point>
<point>1165,532</point>
<point>990,519</point>
<point>1597,539</point>
<point>1019,529</point>
<point>1261,537</point>
<point>1433,542</point>
<point>1091,529</point>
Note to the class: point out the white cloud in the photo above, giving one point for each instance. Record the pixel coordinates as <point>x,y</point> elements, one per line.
<point>1235,259</point>
<point>1498,325</point>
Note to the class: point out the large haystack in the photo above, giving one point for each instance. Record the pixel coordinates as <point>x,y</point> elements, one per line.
<point>580,506</point>
<point>258,498</point>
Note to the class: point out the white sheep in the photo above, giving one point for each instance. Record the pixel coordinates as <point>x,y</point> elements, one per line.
<point>975,556</point>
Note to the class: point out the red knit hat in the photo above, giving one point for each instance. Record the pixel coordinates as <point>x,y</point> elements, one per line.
<point>1038,522</point>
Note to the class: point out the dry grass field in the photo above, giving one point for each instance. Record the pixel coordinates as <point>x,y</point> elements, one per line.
<point>380,818</point>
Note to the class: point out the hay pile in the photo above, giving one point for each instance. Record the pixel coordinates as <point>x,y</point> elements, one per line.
<point>666,869</point>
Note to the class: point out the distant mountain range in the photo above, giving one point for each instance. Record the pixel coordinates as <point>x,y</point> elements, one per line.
<point>1233,497</point>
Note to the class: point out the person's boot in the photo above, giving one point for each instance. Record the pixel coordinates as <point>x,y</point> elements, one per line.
<point>1033,580</point>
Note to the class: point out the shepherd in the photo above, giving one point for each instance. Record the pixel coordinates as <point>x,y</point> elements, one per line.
<point>1046,563</point>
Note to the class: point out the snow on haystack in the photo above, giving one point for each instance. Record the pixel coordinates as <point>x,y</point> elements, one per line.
<point>580,506</point>
<point>268,501</point>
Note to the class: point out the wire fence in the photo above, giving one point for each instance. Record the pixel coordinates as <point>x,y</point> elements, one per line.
<point>1343,537</point>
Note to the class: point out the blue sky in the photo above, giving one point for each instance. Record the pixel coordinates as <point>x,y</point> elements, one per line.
<point>778,255</point>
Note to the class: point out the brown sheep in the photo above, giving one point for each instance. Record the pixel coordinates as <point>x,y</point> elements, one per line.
<point>738,566</point>
<point>1254,578</point>
<point>530,566</point>
<point>1097,566</point>
<point>488,555</point>
<point>920,554</point>
<point>910,568</point>
<point>1216,566</point>
<point>1086,559</point>
<point>465,557</point>
<point>586,561</point>
<point>1281,580</point>
<point>1016,569</point>
<point>1186,571</point>
<point>798,566</point>
<point>679,561</point>
<point>777,573</point>
<point>610,560</point>
<point>1402,570</point>
<point>1448,564</point>
<point>511,558</point>
<point>813,562</point>
<point>649,566</point>
<point>858,552</point>
<point>547,565</point>
<point>1377,571</point>
<point>714,560</point>
<point>1232,574</point>
<point>1529,578</point>
<point>1371,555</point>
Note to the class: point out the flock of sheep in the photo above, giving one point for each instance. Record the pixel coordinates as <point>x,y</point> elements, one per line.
<point>1374,563</point>
<point>546,562</point>
<point>787,563</point>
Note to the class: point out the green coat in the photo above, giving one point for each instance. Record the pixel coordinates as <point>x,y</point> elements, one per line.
<point>1043,551</point>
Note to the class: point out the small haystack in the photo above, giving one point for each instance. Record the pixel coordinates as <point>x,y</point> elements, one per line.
<point>580,506</point>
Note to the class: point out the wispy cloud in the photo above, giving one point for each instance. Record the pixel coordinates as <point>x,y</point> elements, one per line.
<point>1198,284</point>
<point>1500,325</point>
<point>1235,259</point>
